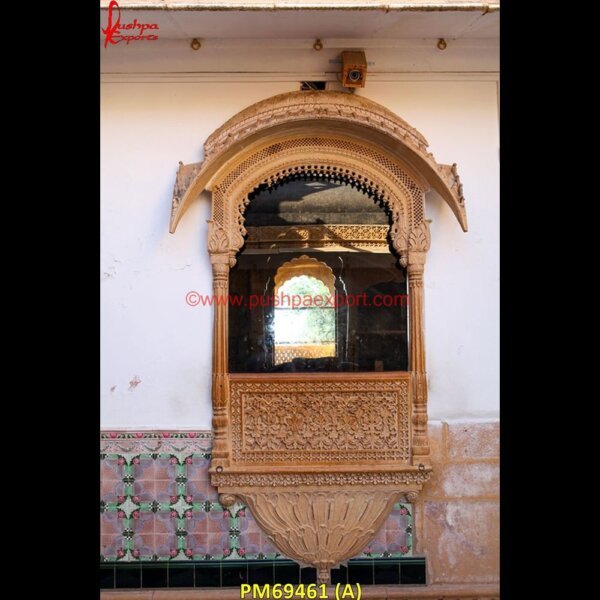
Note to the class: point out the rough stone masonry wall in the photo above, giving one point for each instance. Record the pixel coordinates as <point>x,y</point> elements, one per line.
<point>459,507</point>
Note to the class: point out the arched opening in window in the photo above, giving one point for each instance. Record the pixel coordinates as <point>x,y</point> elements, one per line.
<point>317,285</point>
<point>304,320</point>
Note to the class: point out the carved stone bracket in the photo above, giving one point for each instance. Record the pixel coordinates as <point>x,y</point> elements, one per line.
<point>320,528</point>
<point>185,176</point>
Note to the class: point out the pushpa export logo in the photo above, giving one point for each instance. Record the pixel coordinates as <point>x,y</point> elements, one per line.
<point>115,32</point>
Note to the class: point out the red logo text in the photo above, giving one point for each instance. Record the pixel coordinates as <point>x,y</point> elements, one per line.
<point>116,32</point>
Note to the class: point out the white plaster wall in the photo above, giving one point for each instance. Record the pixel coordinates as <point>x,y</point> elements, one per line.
<point>460,121</point>
<point>148,331</point>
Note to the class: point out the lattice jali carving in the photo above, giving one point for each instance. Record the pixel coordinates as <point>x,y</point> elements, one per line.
<point>316,148</point>
<point>339,160</point>
<point>288,352</point>
<point>218,206</point>
<point>318,236</point>
<point>283,420</point>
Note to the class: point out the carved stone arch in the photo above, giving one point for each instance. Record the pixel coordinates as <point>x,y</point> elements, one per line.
<point>319,505</point>
<point>373,170</point>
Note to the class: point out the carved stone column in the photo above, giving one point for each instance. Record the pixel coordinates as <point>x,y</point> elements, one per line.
<point>418,244</point>
<point>218,246</point>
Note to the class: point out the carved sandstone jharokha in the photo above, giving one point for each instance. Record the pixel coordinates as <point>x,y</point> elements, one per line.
<point>319,458</point>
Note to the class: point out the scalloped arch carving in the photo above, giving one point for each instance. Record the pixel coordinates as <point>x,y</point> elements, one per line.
<point>305,265</point>
<point>366,167</point>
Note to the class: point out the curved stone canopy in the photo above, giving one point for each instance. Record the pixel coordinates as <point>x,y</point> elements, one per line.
<point>338,114</point>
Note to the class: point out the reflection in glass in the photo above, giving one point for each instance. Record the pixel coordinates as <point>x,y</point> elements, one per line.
<point>317,287</point>
<point>304,323</point>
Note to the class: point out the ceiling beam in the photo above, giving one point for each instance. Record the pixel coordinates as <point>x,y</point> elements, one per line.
<point>276,5</point>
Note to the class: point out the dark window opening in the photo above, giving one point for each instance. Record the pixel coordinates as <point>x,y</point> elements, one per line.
<point>307,293</point>
<point>312,85</point>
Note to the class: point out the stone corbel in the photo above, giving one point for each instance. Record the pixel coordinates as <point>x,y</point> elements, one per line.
<point>450,173</point>
<point>184,177</point>
<point>320,528</point>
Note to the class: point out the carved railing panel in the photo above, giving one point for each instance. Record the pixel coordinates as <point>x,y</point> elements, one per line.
<point>354,419</point>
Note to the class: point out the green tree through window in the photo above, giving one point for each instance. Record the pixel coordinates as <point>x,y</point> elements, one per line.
<point>303,315</point>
